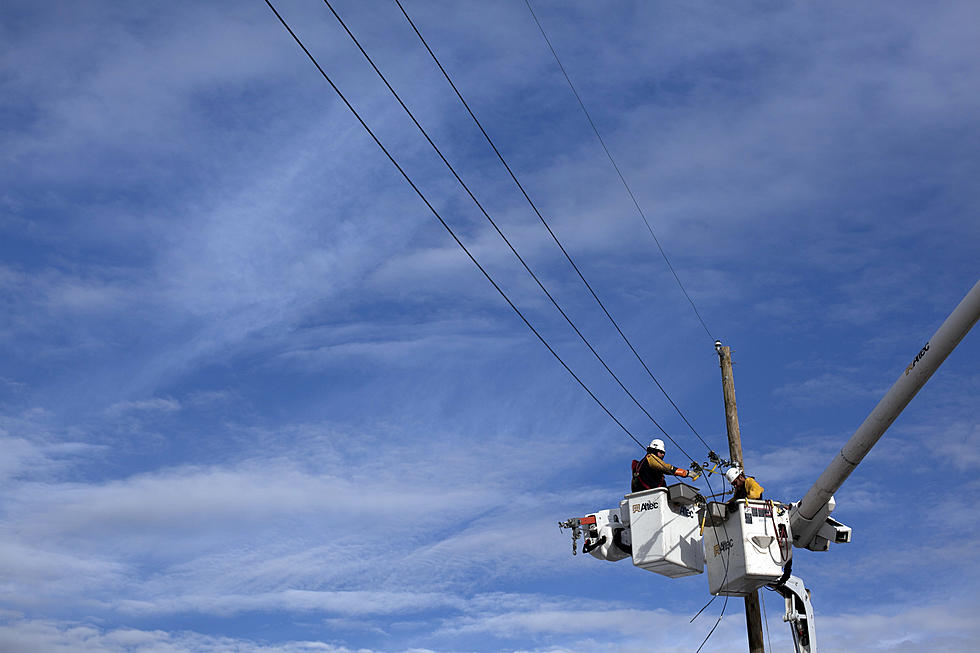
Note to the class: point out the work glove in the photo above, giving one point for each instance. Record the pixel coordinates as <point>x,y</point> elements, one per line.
<point>683,473</point>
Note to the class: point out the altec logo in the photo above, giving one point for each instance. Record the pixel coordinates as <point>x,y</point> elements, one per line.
<point>922,352</point>
<point>723,546</point>
<point>646,505</point>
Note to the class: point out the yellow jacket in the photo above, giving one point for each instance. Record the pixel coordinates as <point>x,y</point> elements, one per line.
<point>749,490</point>
<point>752,489</point>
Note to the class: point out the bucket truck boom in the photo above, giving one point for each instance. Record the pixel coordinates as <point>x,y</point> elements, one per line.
<point>809,518</point>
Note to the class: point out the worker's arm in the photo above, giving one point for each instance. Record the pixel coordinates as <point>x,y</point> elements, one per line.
<point>660,466</point>
<point>752,489</point>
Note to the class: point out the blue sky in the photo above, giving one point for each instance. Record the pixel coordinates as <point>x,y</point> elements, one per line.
<point>254,398</point>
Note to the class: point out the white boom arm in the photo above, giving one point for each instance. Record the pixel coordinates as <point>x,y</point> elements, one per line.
<point>810,514</point>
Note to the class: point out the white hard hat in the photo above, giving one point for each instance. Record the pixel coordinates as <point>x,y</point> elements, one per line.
<point>733,473</point>
<point>657,445</point>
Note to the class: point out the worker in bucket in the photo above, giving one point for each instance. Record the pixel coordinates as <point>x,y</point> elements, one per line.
<point>649,472</point>
<point>745,487</point>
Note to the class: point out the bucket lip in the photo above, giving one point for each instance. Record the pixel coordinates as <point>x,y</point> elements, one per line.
<point>682,484</point>
<point>643,493</point>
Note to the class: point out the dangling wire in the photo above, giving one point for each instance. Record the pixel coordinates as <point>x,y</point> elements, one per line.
<point>726,560</point>
<point>765,618</point>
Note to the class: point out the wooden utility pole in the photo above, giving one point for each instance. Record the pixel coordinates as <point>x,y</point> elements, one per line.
<point>753,615</point>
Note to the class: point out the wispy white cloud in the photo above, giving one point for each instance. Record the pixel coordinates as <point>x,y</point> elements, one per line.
<point>20,635</point>
<point>938,627</point>
<point>251,527</point>
<point>631,629</point>
<point>827,388</point>
<point>57,575</point>
<point>33,449</point>
<point>155,405</point>
<point>57,294</point>
<point>352,603</point>
<point>960,446</point>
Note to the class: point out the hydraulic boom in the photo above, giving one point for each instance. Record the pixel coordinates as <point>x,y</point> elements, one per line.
<point>810,514</point>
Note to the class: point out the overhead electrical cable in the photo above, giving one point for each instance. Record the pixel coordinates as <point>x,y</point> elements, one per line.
<point>444,223</point>
<point>546,225</point>
<point>498,230</point>
<point>766,618</point>
<point>726,561</point>
<point>618,171</point>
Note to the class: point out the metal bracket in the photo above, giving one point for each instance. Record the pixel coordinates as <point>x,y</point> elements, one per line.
<point>799,614</point>
<point>575,524</point>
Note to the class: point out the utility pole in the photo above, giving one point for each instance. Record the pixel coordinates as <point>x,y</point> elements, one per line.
<point>753,615</point>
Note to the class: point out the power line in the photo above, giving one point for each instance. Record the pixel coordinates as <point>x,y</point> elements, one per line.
<point>444,223</point>
<point>546,225</point>
<point>763,595</point>
<point>497,228</point>
<point>618,171</point>
<point>725,562</point>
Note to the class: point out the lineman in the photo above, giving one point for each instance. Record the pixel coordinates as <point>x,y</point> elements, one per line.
<point>745,487</point>
<point>649,472</point>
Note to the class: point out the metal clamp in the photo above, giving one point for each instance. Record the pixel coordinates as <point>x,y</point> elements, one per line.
<point>574,523</point>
